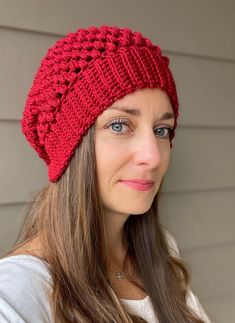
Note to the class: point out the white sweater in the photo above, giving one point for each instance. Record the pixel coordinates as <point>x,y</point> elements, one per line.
<point>25,283</point>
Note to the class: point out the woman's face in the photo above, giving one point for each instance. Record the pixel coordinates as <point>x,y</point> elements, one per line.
<point>135,146</point>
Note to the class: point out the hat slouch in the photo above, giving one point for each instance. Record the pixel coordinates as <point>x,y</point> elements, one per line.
<point>80,77</point>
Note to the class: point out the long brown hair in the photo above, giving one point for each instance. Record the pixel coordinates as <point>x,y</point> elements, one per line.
<point>68,216</point>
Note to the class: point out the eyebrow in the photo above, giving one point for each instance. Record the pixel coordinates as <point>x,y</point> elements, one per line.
<point>137,113</point>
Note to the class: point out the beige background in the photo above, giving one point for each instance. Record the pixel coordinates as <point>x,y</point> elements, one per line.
<point>199,191</point>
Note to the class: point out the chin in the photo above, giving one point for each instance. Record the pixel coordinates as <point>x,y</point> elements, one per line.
<point>136,210</point>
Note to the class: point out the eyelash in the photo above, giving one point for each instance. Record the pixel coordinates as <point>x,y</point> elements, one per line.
<point>127,123</point>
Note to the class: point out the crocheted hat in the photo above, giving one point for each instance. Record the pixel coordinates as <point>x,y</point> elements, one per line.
<point>80,76</point>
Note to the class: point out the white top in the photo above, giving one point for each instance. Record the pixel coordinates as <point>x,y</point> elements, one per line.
<point>144,308</point>
<point>25,282</point>
<point>141,307</point>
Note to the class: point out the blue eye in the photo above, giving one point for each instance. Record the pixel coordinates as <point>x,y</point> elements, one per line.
<point>118,123</point>
<point>167,130</point>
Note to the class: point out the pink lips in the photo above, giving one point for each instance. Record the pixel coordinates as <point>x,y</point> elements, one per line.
<point>140,185</point>
<point>140,181</point>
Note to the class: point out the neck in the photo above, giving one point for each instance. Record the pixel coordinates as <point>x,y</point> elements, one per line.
<point>114,233</point>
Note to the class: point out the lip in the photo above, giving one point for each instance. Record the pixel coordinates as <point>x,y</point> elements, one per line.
<point>139,181</point>
<point>138,186</point>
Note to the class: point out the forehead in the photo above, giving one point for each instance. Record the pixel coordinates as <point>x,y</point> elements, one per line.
<point>144,101</point>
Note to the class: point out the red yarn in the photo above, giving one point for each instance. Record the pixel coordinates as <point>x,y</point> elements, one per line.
<point>80,76</point>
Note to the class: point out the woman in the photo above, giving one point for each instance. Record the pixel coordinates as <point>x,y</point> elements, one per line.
<point>102,113</point>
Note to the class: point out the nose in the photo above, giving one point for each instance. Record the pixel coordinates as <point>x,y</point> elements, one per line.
<point>149,151</point>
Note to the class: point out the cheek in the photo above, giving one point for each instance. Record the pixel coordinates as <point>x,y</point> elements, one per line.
<point>109,157</point>
<point>108,151</point>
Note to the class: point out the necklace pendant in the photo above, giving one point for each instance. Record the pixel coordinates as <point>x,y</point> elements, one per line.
<point>119,275</point>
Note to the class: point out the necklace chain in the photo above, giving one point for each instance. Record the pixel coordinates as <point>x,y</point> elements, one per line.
<point>118,274</point>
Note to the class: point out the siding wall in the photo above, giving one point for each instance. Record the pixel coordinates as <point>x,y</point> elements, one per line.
<point>198,200</point>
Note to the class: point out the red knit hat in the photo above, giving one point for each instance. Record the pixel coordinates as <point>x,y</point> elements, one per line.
<point>81,76</point>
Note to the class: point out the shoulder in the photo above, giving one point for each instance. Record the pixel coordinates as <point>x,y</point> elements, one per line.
<point>24,289</point>
<point>192,299</point>
<point>195,305</point>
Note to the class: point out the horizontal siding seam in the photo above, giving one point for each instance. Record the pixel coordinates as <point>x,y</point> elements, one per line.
<point>201,190</point>
<point>226,294</point>
<point>4,204</point>
<point>32,31</point>
<point>208,246</point>
<point>199,56</point>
